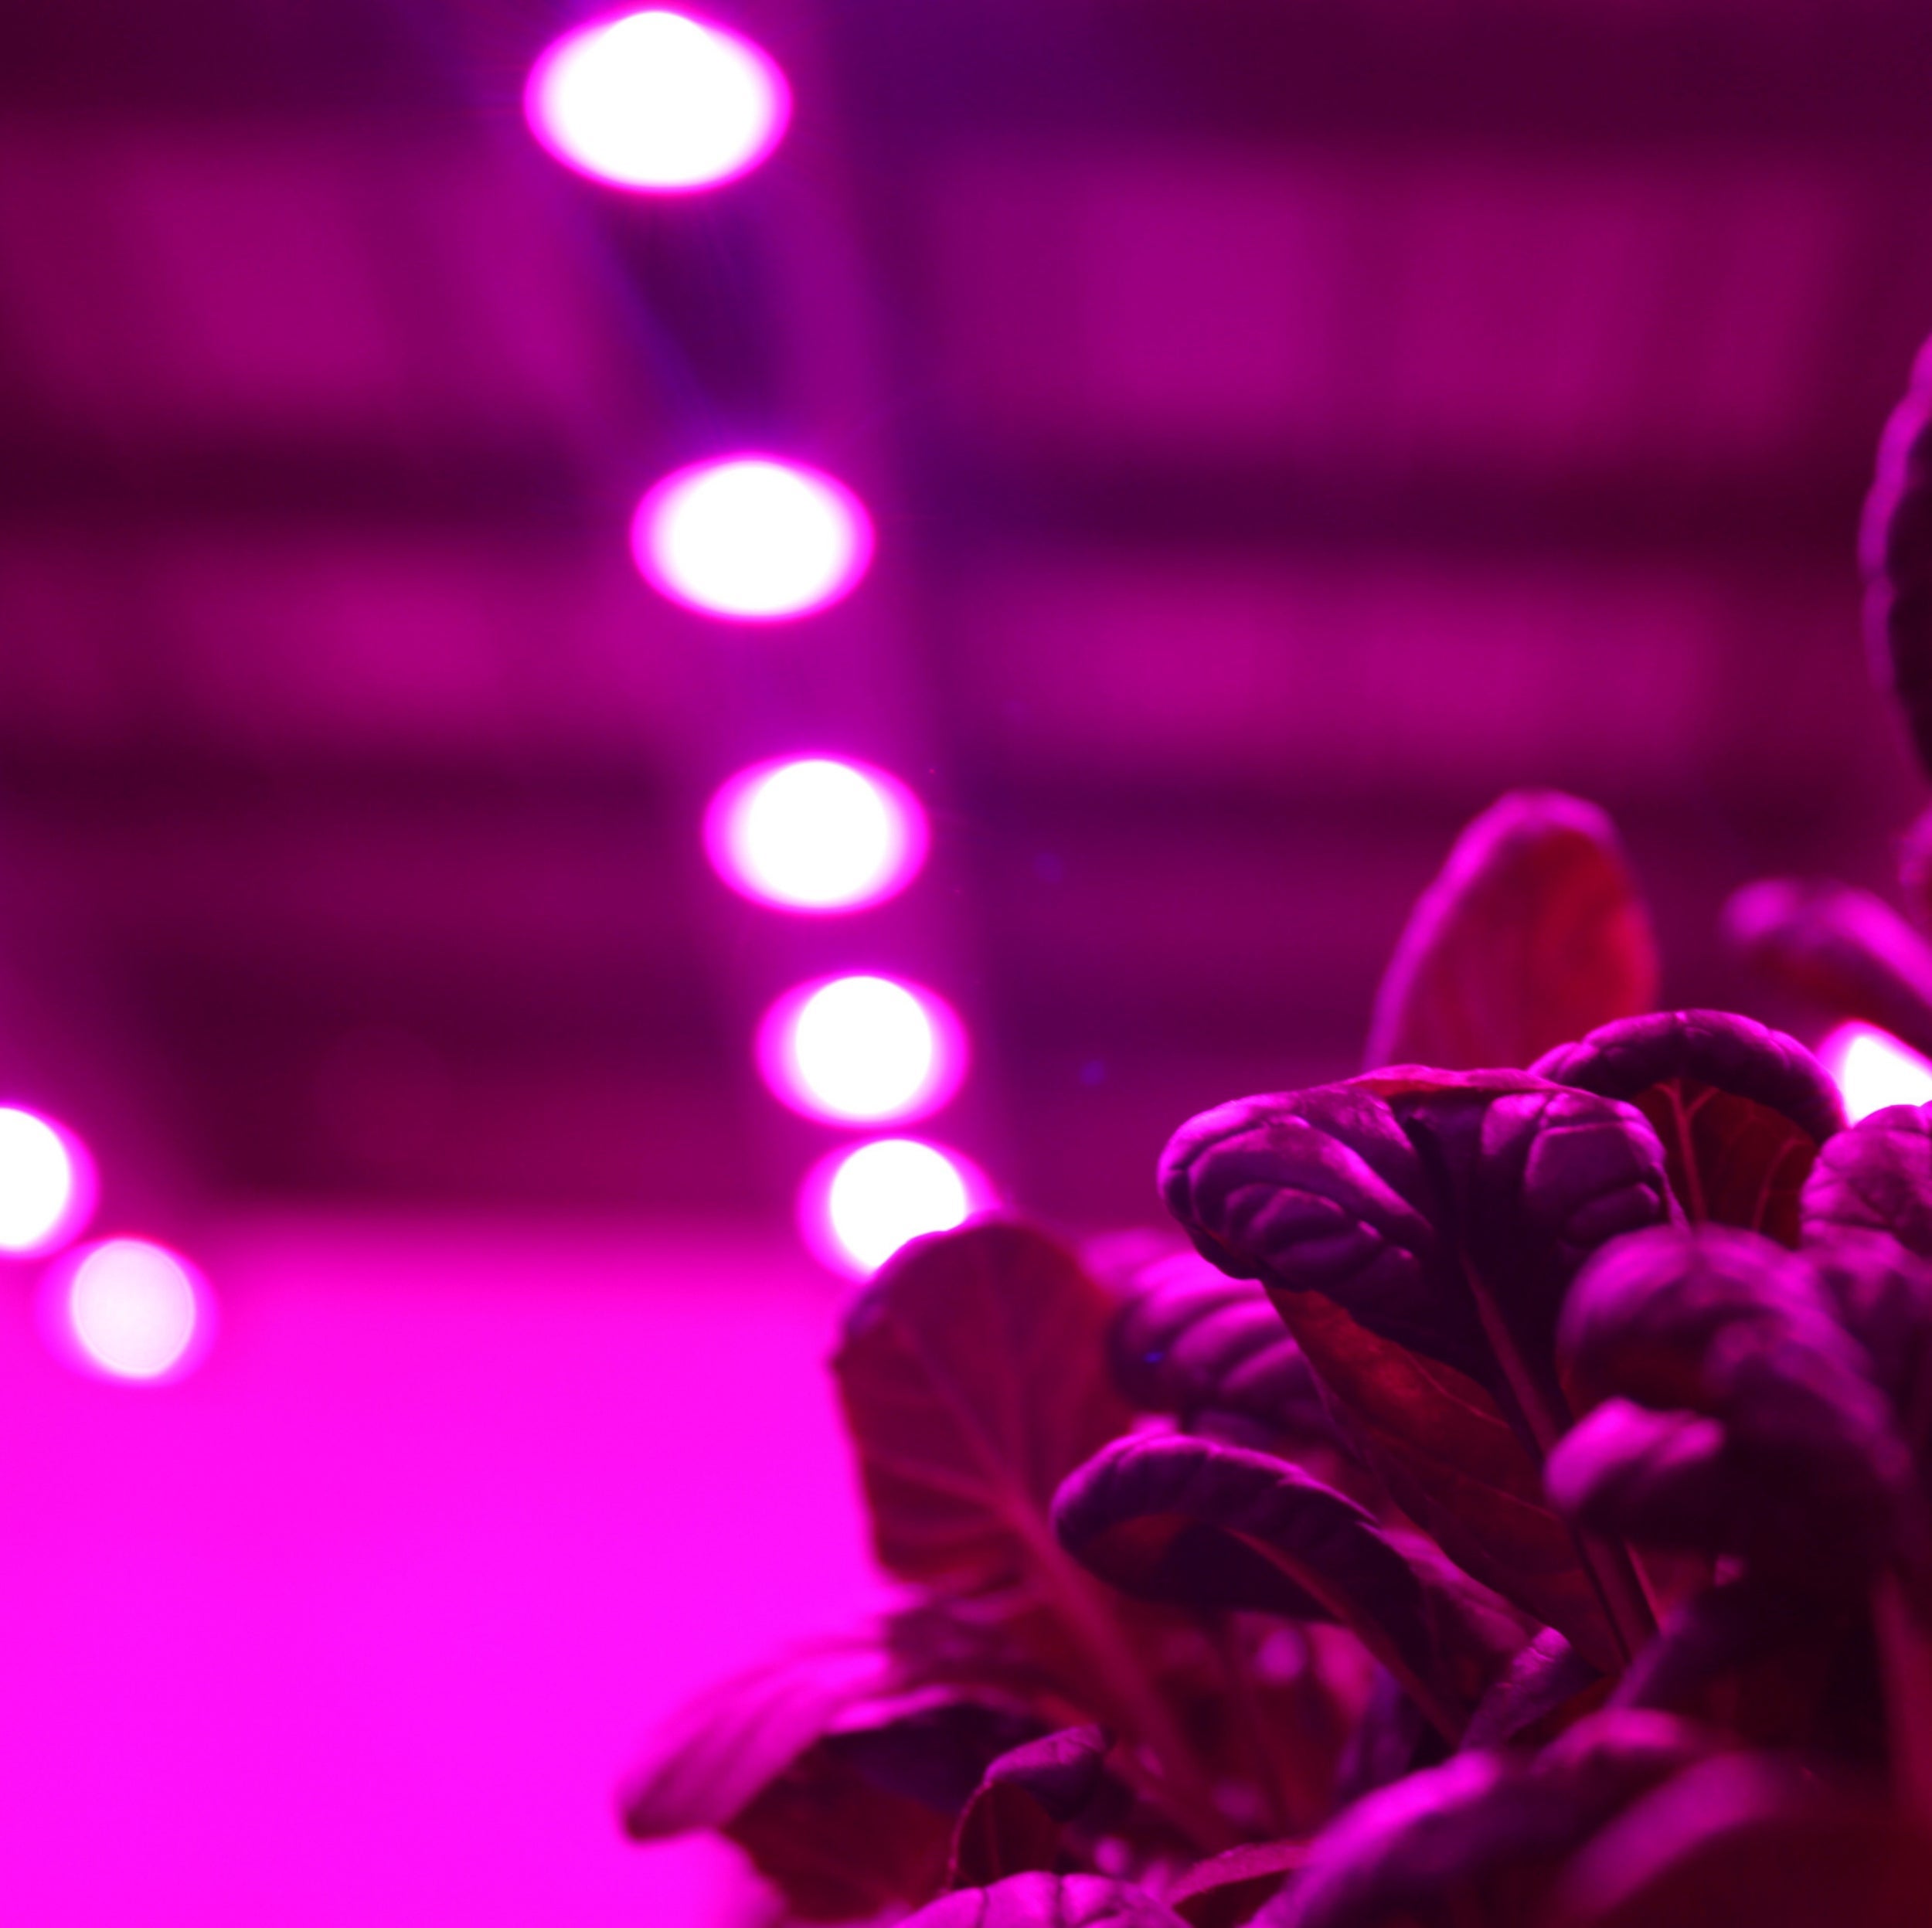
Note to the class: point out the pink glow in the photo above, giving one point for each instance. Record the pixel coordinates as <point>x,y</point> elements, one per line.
<point>46,1185</point>
<point>857,1206</point>
<point>863,1050</point>
<point>752,539</point>
<point>814,834</point>
<point>1871,1069</point>
<point>127,1309</point>
<point>657,101</point>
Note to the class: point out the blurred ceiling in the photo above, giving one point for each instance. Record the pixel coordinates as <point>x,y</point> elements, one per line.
<point>1287,425</point>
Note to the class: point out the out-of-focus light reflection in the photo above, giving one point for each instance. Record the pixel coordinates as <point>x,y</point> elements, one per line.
<point>815,835</point>
<point>657,101</point>
<point>1872,1070</point>
<point>46,1185</point>
<point>751,538</point>
<point>863,1050</point>
<point>857,1208</point>
<point>131,1310</point>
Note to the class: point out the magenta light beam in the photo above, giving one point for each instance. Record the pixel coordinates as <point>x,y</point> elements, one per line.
<point>863,1050</point>
<point>46,1185</point>
<point>129,1309</point>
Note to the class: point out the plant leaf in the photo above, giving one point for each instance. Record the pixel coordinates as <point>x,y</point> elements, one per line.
<point>1547,1677</point>
<point>973,1373</point>
<point>1225,1892</point>
<point>1192,1342</point>
<point>1418,1232</point>
<point>1844,950</point>
<point>1048,1901</point>
<point>714,1755</point>
<point>1806,1473</point>
<point>1877,1176</point>
<point>1012,1823</point>
<point>1448,1831</point>
<point>1740,1109</point>
<point>1895,557</point>
<point>1747,1837</point>
<point>1193,1521</point>
<point>1532,934</point>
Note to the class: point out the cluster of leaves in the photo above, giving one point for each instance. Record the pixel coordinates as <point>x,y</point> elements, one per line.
<point>1515,1510</point>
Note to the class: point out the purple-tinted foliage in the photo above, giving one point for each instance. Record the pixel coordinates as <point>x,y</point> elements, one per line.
<point>1048,1901</point>
<point>1192,1342</point>
<point>1418,1232</point>
<point>1440,1834</point>
<point>1841,950</point>
<point>1545,1677</point>
<point>1876,1178</point>
<point>1895,555</point>
<point>1748,1838</point>
<point>1717,1633</point>
<point>1740,1109</point>
<point>1011,1823</point>
<point>1226,1891</point>
<point>1795,1462</point>
<point>1194,1521</point>
<point>1532,933</point>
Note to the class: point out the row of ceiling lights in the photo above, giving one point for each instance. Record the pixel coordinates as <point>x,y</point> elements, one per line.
<point>655,102</point>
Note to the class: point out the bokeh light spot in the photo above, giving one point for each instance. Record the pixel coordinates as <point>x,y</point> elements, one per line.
<point>657,101</point>
<point>863,1050</point>
<point>816,835</point>
<point>1871,1069</point>
<point>857,1207</point>
<point>751,538</point>
<point>135,1310</point>
<point>46,1185</point>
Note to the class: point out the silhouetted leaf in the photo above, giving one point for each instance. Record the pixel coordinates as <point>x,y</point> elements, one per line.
<point>1842,950</point>
<point>1718,1633</point>
<point>1449,1831</point>
<point>714,1755</point>
<point>1226,1892</point>
<point>1048,1901</point>
<point>1191,1341</point>
<point>1190,1520</point>
<point>1807,1472</point>
<point>1740,1109</point>
<point>1417,1231</point>
<point>1750,1839</point>
<point>1533,933</point>
<point>1895,556</point>
<point>1012,1823</point>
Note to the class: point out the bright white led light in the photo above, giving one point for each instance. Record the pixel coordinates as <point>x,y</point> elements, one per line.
<point>857,1208</point>
<point>861,1050</point>
<point>752,539</point>
<point>657,101</point>
<point>1872,1070</point>
<point>46,1185</point>
<point>815,835</point>
<point>133,1310</point>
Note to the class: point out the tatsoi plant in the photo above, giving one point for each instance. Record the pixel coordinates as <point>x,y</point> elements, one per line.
<point>1514,1512</point>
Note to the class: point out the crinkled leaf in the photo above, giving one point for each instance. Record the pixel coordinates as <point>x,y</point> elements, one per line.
<point>1547,1679</point>
<point>1877,1176</point>
<point>1808,1473</point>
<point>1226,1892</point>
<point>973,1373</point>
<point>1012,1823</point>
<point>1048,1901</point>
<point>1843,949</point>
<point>1532,933</point>
<point>1750,1839</point>
<point>1191,1520</point>
<point>1740,1109</point>
<point>712,1757</point>
<point>1895,557</point>
<point>1448,1831</point>
<point>1192,1342</point>
<point>1418,1232</point>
